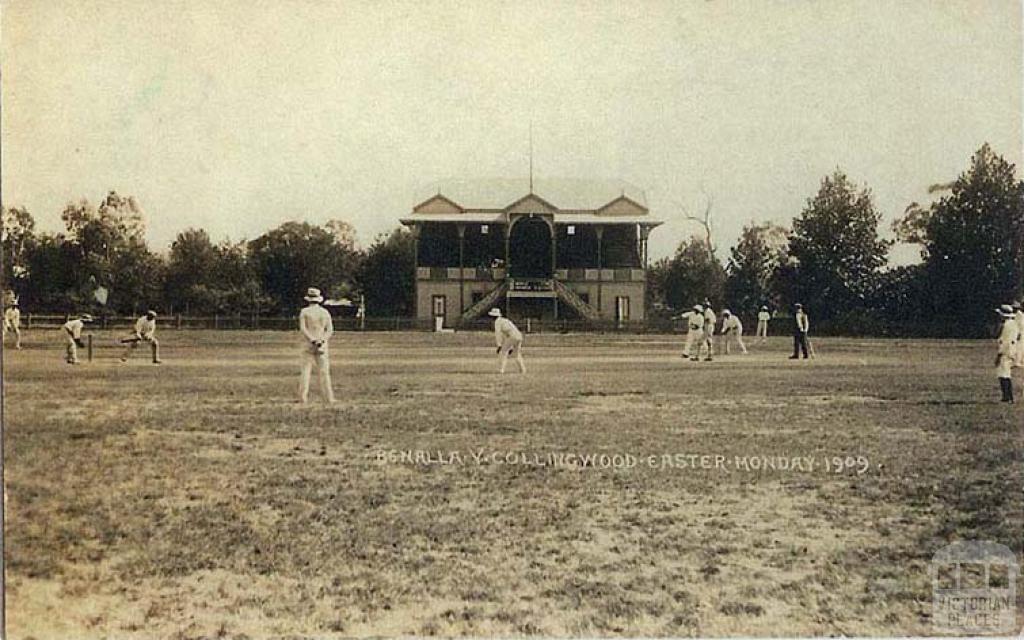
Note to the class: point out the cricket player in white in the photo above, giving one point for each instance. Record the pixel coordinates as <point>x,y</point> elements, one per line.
<point>12,323</point>
<point>145,331</point>
<point>73,336</point>
<point>509,340</point>
<point>317,327</point>
<point>763,316</point>
<point>1007,351</point>
<point>1018,316</point>
<point>709,328</point>
<point>732,328</point>
<point>694,333</point>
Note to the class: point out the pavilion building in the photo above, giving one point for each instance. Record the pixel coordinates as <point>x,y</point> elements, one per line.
<point>531,257</point>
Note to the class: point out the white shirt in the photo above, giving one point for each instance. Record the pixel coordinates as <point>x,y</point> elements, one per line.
<point>1019,317</point>
<point>316,324</point>
<point>13,317</point>
<point>144,327</point>
<point>803,323</point>
<point>74,327</point>
<point>709,320</point>
<point>764,316</point>
<point>505,329</point>
<point>732,323</point>
<point>1008,337</point>
<point>695,320</point>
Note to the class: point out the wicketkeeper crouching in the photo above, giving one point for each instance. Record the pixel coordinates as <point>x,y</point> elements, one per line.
<point>145,331</point>
<point>73,337</point>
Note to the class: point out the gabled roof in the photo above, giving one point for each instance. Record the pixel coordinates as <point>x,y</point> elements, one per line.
<point>586,194</point>
<point>622,204</point>
<point>438,204</point>
<point>528,198</point>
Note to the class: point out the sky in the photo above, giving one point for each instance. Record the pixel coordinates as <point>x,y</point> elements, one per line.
<point>236,116</point>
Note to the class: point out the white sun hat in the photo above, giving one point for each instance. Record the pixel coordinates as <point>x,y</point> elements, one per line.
<point>313,295</point>
<point>495,312</point>
<point>1006,311</point>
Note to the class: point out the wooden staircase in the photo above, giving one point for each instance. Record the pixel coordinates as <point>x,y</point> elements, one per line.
<point>485,303</point>
<point>569,297</point>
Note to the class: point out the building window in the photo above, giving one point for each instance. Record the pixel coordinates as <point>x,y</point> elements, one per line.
<point>622,308</point>
<point>570,230</point>
<point>484,229</point>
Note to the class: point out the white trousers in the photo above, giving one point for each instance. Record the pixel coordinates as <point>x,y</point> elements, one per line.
<point>72,350</point>
<point>709,339</point>
<point>762,329</point>
<point>734,335</point>
<point>322,362</point>
<point>1004,369</point>
<point>17,334</point>
<point>508,348</point>
<point>694,341</point>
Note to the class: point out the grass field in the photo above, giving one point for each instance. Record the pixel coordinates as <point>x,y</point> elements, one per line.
<point>197,499</point>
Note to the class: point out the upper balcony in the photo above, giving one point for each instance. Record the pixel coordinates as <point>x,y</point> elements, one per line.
<point>499,274</point>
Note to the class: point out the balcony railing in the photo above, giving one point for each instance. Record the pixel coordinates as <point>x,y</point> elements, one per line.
<point>565,275</point>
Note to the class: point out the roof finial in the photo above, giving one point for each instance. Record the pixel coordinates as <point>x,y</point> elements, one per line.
<point>531,156</point>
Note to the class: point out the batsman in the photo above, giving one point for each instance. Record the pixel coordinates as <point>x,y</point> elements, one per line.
<point>73,337</point>
<point>145,331</point>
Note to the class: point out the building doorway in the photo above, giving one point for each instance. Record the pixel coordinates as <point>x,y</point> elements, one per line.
<point>439,306</point>
<point>529,249</point>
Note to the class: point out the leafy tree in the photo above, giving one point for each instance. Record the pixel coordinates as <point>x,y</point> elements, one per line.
<point>191,273</point>
<point>973,243</point>
<point>387,275</point>
<point>238,286</point>
<point>110,249</point>
<point>18,238</point>
<point>298,255</point>
<point>835,253</point>
<point>752,263</point>
<point>687,278</point>
<point>52,274</point>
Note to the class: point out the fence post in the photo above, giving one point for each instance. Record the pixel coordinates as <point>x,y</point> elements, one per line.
<point>216,321</point>
<point>28,321</point>
<point>90,347</point>
<point>255,321</point>
<point>178,323</point>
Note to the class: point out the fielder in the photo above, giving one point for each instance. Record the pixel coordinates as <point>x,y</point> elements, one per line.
<point>801,324</point>
<point>12,323</point>
<point>709,328</point>
<point>695,333</point>
<point>1007,351</point>
<point>145,331</point>
<point>763,317</point>
<point>732,328</point>
<point>73,337</point>
<point>317,327</point>
<point>1019,318</point>
<point>509,340</point>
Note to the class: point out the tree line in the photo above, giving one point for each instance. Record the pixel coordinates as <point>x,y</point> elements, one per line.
<point>103,248</point>
<point>833,259</point>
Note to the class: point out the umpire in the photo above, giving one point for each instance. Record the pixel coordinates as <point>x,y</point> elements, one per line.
<point>800,326</point>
